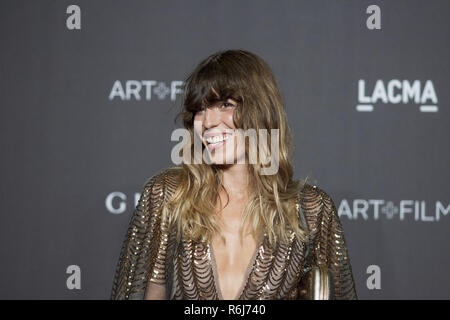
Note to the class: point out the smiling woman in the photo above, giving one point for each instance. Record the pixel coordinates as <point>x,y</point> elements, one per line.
<point>223,229</point>
<point>216,138</point>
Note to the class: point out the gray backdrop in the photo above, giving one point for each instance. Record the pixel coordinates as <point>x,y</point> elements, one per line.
<point>368,108</point>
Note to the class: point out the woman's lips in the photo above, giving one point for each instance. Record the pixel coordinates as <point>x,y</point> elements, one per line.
<point>217,145</point>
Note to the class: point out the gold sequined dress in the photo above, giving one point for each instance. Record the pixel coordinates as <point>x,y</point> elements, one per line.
<point>151,259</point>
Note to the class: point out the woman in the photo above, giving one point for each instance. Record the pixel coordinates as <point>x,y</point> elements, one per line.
<point>223,228</point>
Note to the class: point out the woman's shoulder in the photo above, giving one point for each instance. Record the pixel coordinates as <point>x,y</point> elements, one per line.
<point>163,183</point>
<point>316,203</point>
<point>311,192</point>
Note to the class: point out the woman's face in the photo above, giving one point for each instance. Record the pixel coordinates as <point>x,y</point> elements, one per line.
<point>215,125</point>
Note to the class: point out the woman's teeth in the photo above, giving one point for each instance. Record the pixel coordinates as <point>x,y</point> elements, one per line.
<point>216,139</point>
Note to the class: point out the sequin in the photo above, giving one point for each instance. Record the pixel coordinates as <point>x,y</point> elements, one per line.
<point>150,253</point>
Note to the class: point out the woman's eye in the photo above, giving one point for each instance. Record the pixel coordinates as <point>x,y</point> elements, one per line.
<point>227,105</point>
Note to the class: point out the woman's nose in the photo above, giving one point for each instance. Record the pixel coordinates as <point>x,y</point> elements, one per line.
<point>212,118</point>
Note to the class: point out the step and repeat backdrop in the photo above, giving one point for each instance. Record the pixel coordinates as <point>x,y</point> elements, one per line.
<point>90,90</point>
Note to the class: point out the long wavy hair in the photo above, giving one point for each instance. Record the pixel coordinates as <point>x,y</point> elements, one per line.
<point>272,207</point>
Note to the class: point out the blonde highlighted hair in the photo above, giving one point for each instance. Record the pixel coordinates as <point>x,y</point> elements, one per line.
<point>272,207</point>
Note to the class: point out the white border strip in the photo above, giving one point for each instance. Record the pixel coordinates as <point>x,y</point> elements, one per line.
<point>428,109</point>
<point>364,108</point>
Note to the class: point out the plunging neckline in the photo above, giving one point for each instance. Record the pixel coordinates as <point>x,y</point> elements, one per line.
<point>247,271</point>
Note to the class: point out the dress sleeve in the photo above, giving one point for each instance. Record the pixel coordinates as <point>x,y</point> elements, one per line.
<point>140,272</point>
<point>330,249</point>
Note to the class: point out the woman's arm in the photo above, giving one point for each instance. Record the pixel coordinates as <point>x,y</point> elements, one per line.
<point>331,250</point>
<point>327,269</point>
<point>140,272</point>
<point>155,292</point>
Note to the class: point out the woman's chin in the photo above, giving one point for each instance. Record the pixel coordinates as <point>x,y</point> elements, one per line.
<point>218,162</point>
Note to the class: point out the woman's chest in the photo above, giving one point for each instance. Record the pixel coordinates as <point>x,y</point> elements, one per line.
<point>232,262</point>
<point>205,271</point>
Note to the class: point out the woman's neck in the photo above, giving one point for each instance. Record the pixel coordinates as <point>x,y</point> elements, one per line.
<point>235,179</point>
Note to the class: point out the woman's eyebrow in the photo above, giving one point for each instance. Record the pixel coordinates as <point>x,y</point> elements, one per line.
<point>232,100</point>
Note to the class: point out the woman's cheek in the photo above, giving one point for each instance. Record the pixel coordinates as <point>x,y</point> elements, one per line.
<point>229,119</point>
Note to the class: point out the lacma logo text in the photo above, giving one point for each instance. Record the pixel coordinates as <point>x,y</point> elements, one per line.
<point>395,92</point>
<point>407,210</point>
<point>145,90</point>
